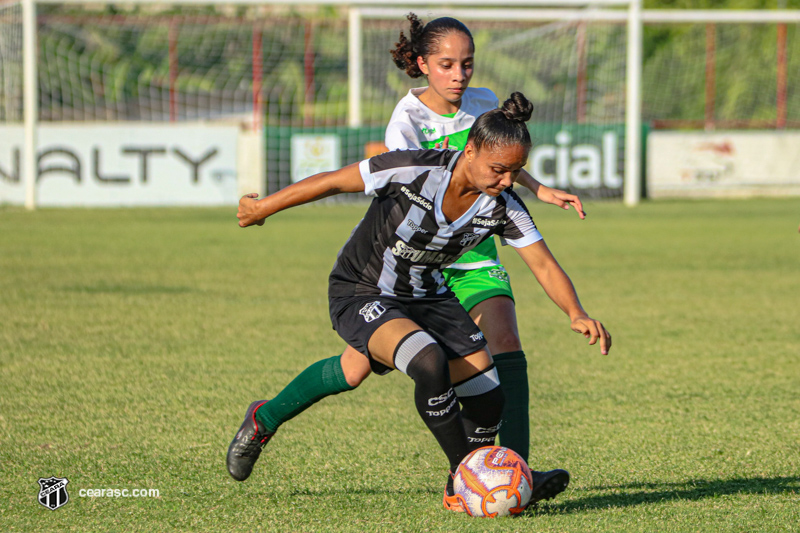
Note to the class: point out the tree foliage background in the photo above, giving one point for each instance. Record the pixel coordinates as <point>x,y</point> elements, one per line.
<point>106,62</point>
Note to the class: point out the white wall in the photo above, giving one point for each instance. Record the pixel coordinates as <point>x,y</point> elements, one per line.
<point>723,163</point>
<point>102,164</point>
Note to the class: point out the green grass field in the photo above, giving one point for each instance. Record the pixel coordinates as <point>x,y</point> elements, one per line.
<point>132,340</point>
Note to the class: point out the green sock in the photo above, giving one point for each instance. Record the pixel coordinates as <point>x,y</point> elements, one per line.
<point>323,378</point>
<point>515,432</point>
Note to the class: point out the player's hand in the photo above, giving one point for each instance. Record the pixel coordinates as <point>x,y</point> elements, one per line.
<point>248,214</point>
<point>561,199</point>
<point>444,144</point>
<point>593,330</point>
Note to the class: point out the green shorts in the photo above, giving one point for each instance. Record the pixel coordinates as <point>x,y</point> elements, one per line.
<point>474,286</point>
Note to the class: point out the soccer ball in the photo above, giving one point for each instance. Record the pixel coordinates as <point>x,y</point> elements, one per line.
<point>493,481</point>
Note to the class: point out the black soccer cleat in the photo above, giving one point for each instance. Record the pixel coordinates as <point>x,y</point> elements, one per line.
<point>247,444</point>
<point>548,485</point>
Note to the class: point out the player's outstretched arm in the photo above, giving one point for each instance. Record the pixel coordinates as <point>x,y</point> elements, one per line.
<point>316,187</point>
<point>560,289</point>
<point>549,195</point>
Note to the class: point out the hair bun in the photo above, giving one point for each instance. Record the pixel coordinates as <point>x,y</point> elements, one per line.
<point>517,108</point>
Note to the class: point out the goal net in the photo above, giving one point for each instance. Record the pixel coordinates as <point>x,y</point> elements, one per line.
<point>572,71</point>
<point>722,76</point>
<point>10,62</point>
<point>284,69</point>
<point>287,69</point>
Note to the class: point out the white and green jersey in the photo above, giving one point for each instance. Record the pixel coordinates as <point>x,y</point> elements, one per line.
<point>413,125</point>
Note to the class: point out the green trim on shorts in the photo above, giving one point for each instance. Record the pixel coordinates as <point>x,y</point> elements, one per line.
<point>485,251</point>
<point>475,286</point>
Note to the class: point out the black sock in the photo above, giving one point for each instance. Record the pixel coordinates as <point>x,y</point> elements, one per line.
<point>424,361</point>
<point>481,407</point>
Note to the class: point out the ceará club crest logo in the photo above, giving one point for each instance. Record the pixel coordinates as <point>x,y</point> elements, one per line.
<point>53,492</point>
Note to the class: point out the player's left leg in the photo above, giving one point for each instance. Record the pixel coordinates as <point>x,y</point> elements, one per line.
<point>486,294</point>
<point>477,387</point>
<point>497,318</point>
<point>481,399</point>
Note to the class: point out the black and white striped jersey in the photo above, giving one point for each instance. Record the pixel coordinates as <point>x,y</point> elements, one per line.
<point>404,240</point>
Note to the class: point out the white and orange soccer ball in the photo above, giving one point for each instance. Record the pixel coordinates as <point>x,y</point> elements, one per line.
<point>493,481</point>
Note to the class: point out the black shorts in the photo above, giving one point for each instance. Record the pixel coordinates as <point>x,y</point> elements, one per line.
<point>355,319</point>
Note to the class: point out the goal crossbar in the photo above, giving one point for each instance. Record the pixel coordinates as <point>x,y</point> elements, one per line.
<point>407,3</point>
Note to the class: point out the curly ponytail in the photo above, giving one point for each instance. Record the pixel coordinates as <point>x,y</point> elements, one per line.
<point>423,41</point>
<point>504,125</point>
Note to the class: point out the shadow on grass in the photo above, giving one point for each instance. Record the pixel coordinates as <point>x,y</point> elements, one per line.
<point>128,289</point>
<point>333,491</point>
<point>628,495</point>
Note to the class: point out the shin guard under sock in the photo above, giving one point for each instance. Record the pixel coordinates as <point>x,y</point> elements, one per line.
<point>323,378</point>
<point>481,407</point>
<point>512,369</point>
<point>424,361</point>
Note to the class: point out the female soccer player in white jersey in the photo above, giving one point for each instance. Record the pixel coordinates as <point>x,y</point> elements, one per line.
<point>442,114</point>
<point>387,293</point>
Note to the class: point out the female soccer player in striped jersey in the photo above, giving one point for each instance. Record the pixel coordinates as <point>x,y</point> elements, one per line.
<point>440,115</point>
<point>387,293</point>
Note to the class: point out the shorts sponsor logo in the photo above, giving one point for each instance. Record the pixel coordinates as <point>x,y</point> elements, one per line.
<point>440,399</point>
<point>487,222</point>
<point>53,492</point>
<point>405,251</point>
<point>468,239</point>
<point>372,311</point>
<point>445,410</point>
<point>476,337</point>
<point>417,199</point>
<point>499,273</point>
<point>411,224</point>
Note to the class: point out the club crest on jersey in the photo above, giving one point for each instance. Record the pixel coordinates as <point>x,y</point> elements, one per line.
<point>468,239</point>
<point>417,199</point>
<point>487,222</point>
<point>372,311</point>
<point>53,492</point>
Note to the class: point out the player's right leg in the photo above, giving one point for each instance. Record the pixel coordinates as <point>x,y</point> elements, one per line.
<point>320,380</point>
<point>263,418</point>
<point>400,343</point>
<point>417,354</point>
